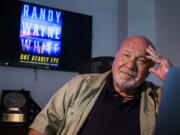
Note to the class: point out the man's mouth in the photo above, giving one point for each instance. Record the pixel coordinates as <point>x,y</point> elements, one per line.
<point>129,73</point>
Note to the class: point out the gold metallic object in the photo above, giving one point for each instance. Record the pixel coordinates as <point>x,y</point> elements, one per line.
<point>14,109</point>
<point>13,117</point>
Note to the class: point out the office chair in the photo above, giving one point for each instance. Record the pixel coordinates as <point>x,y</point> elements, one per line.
<point>96,65</point>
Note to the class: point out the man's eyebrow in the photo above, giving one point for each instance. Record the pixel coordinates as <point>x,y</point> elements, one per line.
<point>142,56</point>
<point>126,51</point>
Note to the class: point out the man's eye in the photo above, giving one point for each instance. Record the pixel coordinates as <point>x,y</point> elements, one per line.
<point>126,55</point>
<point>141,61</point>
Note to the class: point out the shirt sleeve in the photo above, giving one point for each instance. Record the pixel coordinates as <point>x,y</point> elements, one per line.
<point>51,118</point>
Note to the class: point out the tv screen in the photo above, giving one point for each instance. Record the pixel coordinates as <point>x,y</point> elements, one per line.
<point>44,37</point>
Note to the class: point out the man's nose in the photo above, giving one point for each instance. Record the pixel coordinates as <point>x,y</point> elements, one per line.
<point>131,64</point>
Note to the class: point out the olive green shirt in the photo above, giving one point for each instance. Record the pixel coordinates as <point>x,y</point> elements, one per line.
<point>69,107</point>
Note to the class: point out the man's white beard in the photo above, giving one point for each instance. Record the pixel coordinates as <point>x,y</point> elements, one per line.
<point>124,84</point>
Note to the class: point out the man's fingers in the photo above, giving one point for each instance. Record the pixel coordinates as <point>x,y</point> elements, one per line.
<point>156,60</point>
<point>153,70</point>
<point>152,53</point>
<point>161,75</point>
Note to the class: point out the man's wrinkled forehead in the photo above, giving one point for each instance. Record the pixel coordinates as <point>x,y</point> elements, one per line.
<point>135,43</point>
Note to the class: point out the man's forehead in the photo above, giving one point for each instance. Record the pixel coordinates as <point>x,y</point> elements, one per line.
<point>132,51</point>
<point>135,44</point>
<point>135,41</point>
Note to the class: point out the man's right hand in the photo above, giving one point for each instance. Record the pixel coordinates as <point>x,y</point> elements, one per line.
<point>163,63</point>
<point>33,132</point>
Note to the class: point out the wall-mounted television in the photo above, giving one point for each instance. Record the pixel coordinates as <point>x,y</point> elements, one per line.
<point>38,36</point>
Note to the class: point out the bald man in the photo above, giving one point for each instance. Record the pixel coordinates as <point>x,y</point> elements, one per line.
<point>118,102</point>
